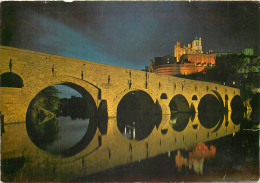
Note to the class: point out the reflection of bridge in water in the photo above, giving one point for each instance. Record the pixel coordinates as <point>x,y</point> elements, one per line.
<point>107,150</point>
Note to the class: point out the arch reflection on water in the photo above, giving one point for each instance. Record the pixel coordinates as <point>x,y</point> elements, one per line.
<point>238,109</point>
<point>179,121</point>
<point>137,127</point>
<point>111,149</point>
<point>137,115</point>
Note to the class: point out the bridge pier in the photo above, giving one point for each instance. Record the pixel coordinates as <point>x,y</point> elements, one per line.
<point>111,109</point>
<point>165,108</point>
<point>194,105</point>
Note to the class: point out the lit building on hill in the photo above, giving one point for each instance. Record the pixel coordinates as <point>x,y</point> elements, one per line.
<point>195,49</point>
<point>248,51</point>
<point>186,60</point>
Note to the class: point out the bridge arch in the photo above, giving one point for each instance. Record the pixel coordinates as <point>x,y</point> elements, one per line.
<point>42,118</point>
<point>210,110</point>
<point>33,88</point>
<point>137,101</point>
<point>213,101</point>
<point>164,96</point>
<point>209,102</point>
<point>179,103</point>
<point>194,97</point>
<point>121,93</point>
<point>10,79</point>
<point>219,97</point>
<point>137,114</point>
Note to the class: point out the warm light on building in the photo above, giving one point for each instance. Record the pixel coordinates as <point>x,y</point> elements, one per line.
<point>186,60</point>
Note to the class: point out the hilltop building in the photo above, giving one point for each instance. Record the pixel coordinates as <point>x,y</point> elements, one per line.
<point>248,51</point>
<point>186,60</point>
<point>195,49</point>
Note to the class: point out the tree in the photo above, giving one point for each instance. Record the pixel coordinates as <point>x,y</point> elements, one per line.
<point>42,125</point>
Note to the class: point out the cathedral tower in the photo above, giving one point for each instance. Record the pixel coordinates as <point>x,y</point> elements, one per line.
<point>196,44</point>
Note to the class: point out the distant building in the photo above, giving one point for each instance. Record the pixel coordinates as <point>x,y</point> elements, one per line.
<point>195,49</point>
<point>248,51</point>
<point>247,69</point>
<point>186,60</point>
<point>251,74</point>
<point>219,54</point>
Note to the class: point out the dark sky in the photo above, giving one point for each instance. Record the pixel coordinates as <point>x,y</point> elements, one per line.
<point>128,34</point>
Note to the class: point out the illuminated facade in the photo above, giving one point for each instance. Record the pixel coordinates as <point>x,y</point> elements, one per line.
<point>186,60</point>
<point>196,48</point>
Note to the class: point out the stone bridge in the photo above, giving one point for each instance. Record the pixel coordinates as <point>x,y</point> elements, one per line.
<point>107,84</point>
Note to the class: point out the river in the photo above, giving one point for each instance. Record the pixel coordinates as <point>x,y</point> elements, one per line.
<point>147,148</point>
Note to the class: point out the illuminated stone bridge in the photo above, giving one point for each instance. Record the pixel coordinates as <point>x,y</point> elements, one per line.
<point>109,87</point>
<point>106,84</point>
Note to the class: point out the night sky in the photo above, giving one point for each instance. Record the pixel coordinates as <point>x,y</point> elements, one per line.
<point>128,34</point>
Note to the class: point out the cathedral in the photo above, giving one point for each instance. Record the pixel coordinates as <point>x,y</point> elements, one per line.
<point>186,60</point>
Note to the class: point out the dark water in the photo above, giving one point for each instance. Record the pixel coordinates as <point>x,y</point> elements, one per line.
<point>188,149</point>
<point>69,134</point>
<point>231,158</point>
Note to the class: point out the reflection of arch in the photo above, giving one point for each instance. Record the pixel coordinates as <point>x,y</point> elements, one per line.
<point>195,126</point>
<point>89,109</point>
<point>210,119</point>
<point>10,79</point>
<point>102,109</point>
<point>237,108</point>
<point>137,114</point>
<point>179,121</point>
<point>179,104</point>
<point>237,103</point>
<point>220,122</point>
<point>12,166</point>
<point>102,117</point>
<point>194,97</point>
<point>164,131</point>
<point>164,96</point>
<point>237,117</point>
